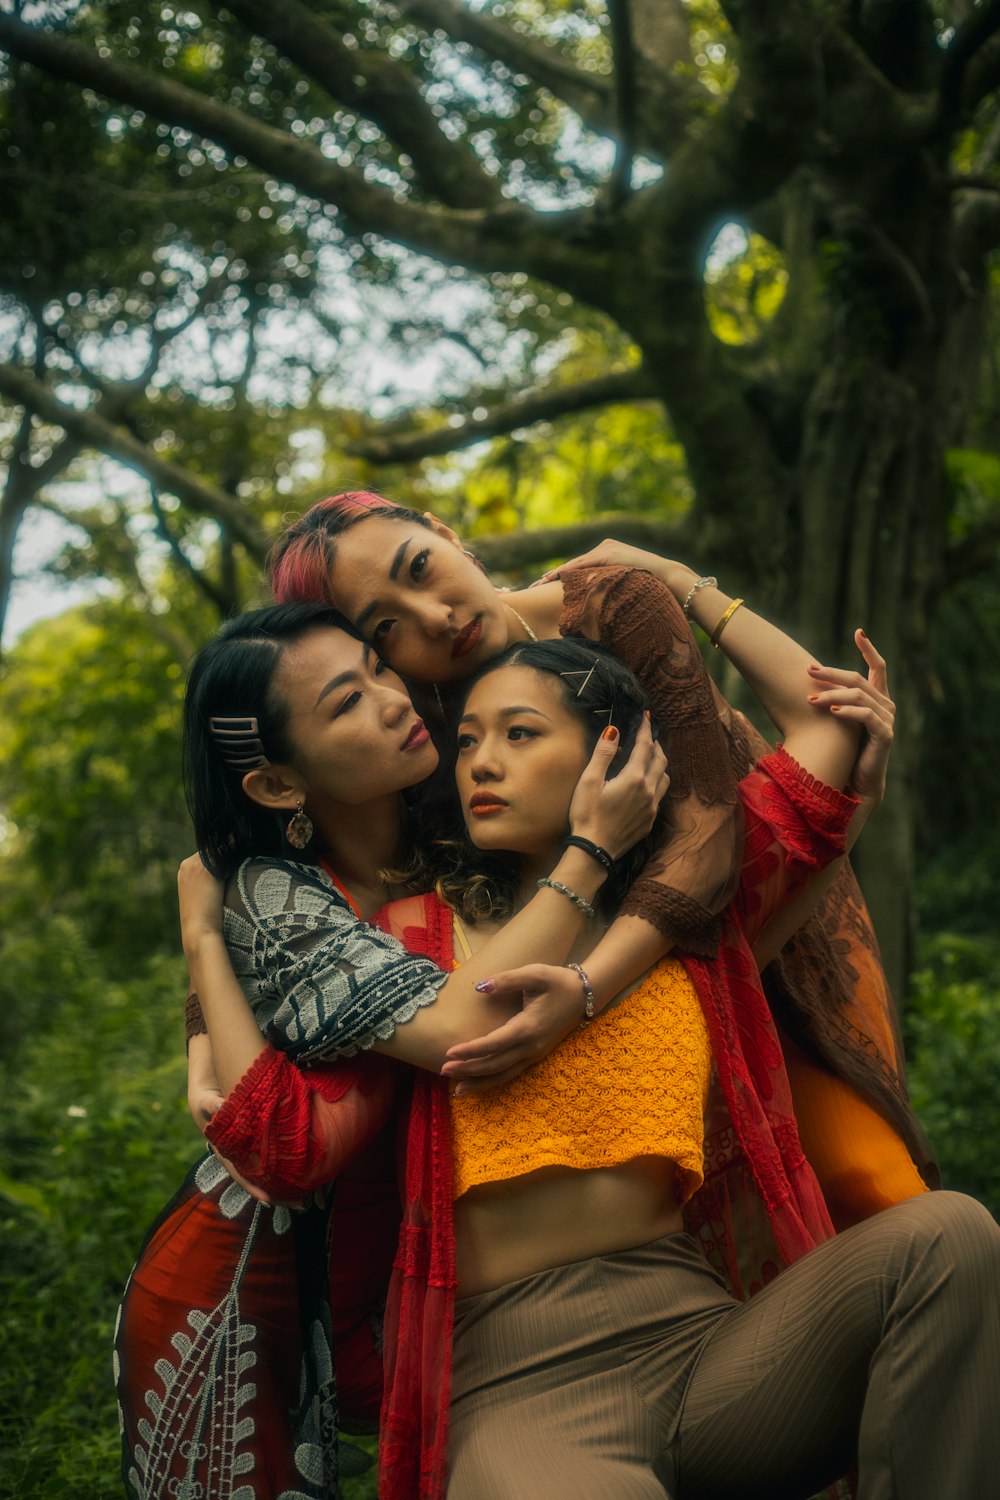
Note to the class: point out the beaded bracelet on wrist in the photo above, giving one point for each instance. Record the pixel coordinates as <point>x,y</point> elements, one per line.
<point>564,890</point>
<point>589,999</point>
<point>708,582</point>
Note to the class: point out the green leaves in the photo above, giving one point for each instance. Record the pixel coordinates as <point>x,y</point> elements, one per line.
<point>96,1136</point>
<point>954,1030</point>
<point>90,777</point>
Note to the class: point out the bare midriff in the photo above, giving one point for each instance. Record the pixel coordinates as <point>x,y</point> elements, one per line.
<point>511,1229</point>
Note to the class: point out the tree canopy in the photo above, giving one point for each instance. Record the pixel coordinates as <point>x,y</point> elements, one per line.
<point>234,215</point>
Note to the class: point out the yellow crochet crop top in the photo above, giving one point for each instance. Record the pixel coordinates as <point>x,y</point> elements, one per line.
<point>631,1084</point>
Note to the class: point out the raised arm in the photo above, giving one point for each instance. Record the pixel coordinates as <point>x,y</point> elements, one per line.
<point>798,699</point>
<point>781,674</point>
<point>866,702</point>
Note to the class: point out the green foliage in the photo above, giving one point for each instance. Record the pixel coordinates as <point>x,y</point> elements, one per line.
<point>745,293</point>
<point>953,1024</point>
<point>623,457</point>
<point>90,777</point>
<point>96,1137</point>
<point>959,776</point>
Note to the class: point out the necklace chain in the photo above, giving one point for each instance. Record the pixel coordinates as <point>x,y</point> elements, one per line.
<point>521,621</point>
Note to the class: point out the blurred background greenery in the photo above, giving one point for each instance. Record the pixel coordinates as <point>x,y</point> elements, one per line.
<point>776,359</point>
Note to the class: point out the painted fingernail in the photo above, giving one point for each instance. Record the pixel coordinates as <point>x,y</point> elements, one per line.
<point>813,667</point>
<point>835,708</point>
<point>610,733</point>
<point>647,716</point>
<point>485,986</point>
<point>814,697</point>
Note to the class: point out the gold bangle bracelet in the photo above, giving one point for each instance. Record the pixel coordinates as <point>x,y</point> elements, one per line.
<point>717,632</point>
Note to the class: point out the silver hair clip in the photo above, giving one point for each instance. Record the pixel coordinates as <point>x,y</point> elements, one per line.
<point>239,741</point>
<point>606,711</point>
<point>586,678</point>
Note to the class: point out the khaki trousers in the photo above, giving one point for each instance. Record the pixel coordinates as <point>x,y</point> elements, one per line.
<point>635,1375</point>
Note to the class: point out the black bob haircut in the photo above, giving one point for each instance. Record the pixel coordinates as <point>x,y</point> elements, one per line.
<point>233,677</point>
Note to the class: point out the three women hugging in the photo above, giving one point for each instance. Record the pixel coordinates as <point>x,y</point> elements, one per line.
<point>515,1154</point>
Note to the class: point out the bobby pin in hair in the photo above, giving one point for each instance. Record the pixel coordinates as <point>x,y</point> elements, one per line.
<point>239,742</point>
<point>585,675</point>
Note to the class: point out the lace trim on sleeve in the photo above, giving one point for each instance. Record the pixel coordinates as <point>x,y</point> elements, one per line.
<point>636,615</point>
<point>795,826</point>
<point>685,922</point>
<point>692,877</point>
<point>826,810</point>
<point>291,1131</point>
<point>320,982</point>
<point>232,1129</point>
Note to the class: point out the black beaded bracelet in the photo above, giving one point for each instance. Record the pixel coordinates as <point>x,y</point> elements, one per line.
<point>589,847</point>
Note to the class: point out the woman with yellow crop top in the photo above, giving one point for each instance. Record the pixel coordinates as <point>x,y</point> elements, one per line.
<point>604,1135</point>
<point>596,1354</point>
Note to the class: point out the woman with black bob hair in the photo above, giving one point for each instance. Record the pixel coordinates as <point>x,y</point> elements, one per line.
<point>300,746</point>
<point>221,743</point>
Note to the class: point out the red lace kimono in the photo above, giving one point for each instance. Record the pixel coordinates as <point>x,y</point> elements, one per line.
<point>238,1277</point>
<point>827,989</point>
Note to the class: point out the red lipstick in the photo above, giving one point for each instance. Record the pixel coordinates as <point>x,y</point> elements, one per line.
<point>483,804</point>
<point>468,637</point>
<point>418,735</point>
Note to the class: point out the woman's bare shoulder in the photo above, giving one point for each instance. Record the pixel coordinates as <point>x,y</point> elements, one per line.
<point>541,606</point>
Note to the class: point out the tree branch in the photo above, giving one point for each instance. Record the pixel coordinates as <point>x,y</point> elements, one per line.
<point>162,625</point>
<point>378,88</point>
<point>977,225</point>
<point>856,223</point>
<point>511,237</point>
<point>541,406</point>
<point>989,150</point>
<point>17,494</point>
<point>95,431</point>
<point>669,93</point>
<point>625,104</point>
<point>969,72</point>
<point>657,25</point>
<point>510,552</point>
<point>589,94</point>
<point>967,182</point>
<point>200,580</point>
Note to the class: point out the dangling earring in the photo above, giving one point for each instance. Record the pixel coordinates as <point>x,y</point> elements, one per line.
<point>300,829</point>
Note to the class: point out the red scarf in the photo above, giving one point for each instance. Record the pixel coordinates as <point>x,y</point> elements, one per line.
<point>755,1166</point>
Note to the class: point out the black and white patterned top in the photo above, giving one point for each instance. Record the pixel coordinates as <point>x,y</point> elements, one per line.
<point>321,982</point>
